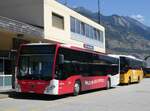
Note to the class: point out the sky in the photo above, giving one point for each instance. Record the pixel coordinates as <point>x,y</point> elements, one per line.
<point>137,9</point>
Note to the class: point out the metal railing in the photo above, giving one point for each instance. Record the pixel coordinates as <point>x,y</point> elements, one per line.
<point>5,82</point>
<point>20,27</point>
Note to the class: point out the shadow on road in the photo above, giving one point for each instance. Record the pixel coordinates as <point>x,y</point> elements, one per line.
<point>36,96</point>
<point>28,96</point>
<point>129,84</point>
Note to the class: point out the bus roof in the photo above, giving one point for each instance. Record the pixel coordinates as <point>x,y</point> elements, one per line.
<point>127,56</point>
<point>65,46</point>
<point>38,44</point>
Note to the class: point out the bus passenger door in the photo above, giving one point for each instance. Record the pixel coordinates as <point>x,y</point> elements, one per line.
<point>134,75</point>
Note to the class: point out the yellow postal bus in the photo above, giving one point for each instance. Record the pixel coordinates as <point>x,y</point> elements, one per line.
<point>130,69</point>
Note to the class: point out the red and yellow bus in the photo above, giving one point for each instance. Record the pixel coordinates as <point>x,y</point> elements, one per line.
<point>57,69</point>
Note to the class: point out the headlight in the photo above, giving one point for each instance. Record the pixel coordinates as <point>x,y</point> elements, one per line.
<point>17,88</point>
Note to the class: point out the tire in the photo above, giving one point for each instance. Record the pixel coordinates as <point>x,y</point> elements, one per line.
<point>77,87</point>
<point>139,79</point>
<point>129,81</point>
<point>108,85</point>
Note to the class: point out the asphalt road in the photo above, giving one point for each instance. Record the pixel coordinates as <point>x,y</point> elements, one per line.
<point>135,97</point>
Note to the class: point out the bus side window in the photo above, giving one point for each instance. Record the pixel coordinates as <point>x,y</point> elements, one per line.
<point>78,60</point>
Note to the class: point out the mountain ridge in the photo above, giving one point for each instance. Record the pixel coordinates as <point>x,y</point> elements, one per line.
<point>124,35</point>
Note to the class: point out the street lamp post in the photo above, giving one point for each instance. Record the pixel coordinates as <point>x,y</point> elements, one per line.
<point>99,13</point>
<point>65,2</point>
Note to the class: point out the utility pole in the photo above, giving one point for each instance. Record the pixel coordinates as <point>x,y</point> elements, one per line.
<point>99,11</point>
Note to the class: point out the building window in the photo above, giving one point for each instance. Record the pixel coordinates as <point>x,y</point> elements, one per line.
<point>86,30</point>
<point>101,36</point>
<point>77,26</point>
<point>96,34</point>
<point>91,32</point>
<point>82,28</point>
<point>73,22</point>
<point>57,21</point>
<point>98,37</point>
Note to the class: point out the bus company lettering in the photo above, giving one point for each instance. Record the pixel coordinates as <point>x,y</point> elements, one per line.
<point>91,82</point>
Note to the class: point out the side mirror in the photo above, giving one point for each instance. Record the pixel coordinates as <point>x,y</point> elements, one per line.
<point>61,59</point>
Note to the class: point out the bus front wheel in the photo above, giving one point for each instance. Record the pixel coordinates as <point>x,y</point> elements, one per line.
<point>108,85</point>
<point>76,88</point>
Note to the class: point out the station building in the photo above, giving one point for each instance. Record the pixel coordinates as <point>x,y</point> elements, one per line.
<point>29,21</point>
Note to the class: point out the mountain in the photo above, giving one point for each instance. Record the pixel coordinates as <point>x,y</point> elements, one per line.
<point>124,35</point>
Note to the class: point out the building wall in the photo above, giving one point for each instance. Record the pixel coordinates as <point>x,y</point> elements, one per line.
<point>39,13</point>
<point>28,11</point>
<point>5,41</point>
<point>65,36</point>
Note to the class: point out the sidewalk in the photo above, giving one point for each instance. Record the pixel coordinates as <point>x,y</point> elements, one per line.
<point>5,93</point>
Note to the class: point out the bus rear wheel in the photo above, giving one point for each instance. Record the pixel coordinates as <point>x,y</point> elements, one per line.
<point>76,88</point>
<point>139,79</point>
<point>129,81</point>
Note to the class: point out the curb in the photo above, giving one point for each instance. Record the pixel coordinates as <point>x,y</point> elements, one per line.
<point>2,96</point>
<point>5,93</point>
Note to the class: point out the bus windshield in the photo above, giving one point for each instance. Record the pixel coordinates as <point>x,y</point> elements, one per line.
<point>36,63</point>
